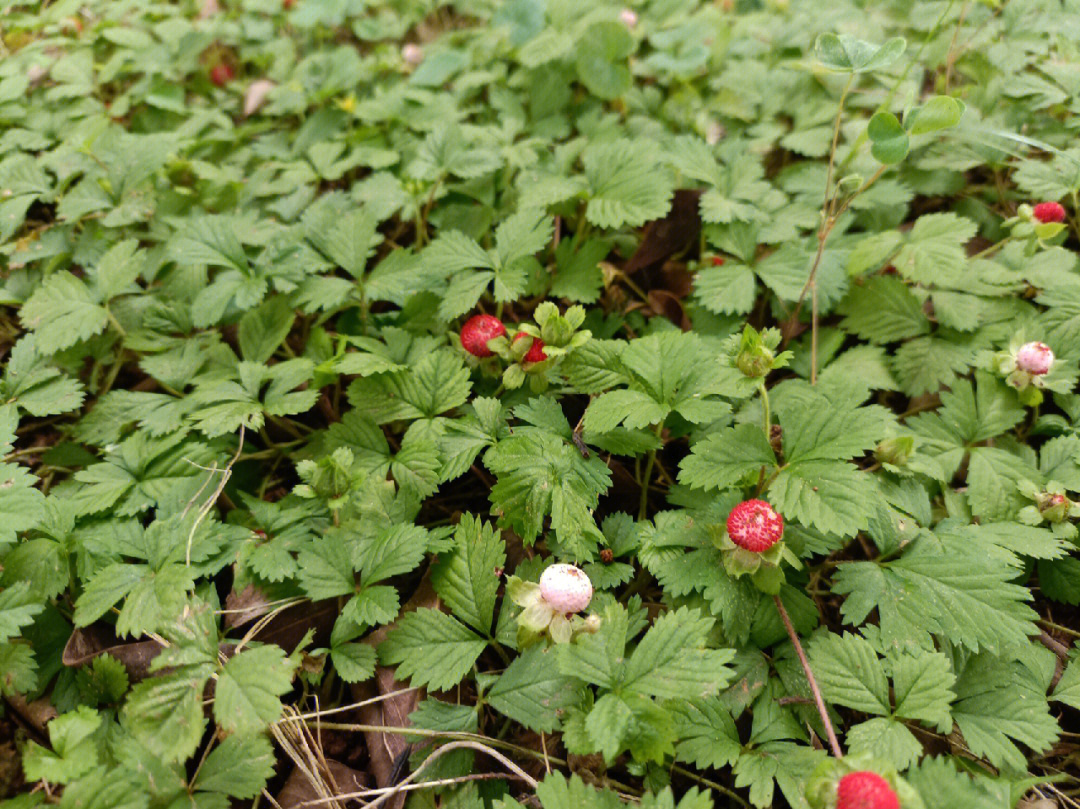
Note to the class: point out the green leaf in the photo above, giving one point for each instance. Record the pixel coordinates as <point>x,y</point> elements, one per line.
<point>601,59</point>
<point>671,662</point>
<point>922,683</point>
<point>74,748</point>
<point>725,457</point>
<point>885,740</point>
<point>238,767</point>
<point>165,713</point>
<point>632,408</point>
<point>431,649</point>
<point>540,474</point>
<point>61,312</point>
<point>18,606</point>
<point>964,597</point>
<point>998,701</point>
<point>1068,687</point>
<point>846,53</point>
<point>889,140</point>
<point>707,733</point>
<point>849,673</point>
<point>249,688</point>
<point>264,328</point>
<point>939,112</point>
<point>816,429</point>
<point>467,579</point>
<point>118,269</point>
<point>597,658</point>
<point>35,386</point>
<point>627,185</point>
<point>531,691</point>
<point>934,251</point>
<point>834,498</point>
<point>883,310</point>
<point>522,234</point>
<point>557,792</point>
<point>354,662</point>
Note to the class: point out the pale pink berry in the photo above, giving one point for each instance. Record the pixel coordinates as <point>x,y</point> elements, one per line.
<point>628,17</point>
<point>566,588</point>
<point>412,54</point>
<point>1034,358</point>
<point>754,526</point>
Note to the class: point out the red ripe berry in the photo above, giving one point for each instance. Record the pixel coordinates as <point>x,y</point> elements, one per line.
<point>717,261</point>
<point>754,526</point>
<point>865,790</point>
<point>221,74</point>
<point>476,332</point>
<point>536,350</point>
<point>287,4</point>
<point>1049,212</point>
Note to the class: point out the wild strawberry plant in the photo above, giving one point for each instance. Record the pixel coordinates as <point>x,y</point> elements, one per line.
<point>502,404</point>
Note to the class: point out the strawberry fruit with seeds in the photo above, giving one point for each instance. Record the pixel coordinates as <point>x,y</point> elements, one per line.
<point>755,526</point>
<point>476,332</point>
<point>865,790</point>
<point>536,350</point>
<point>1047,212</point>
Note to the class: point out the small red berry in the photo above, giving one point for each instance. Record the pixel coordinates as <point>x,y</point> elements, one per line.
<point>865,790</point>
<point>754,526</point>
<point>221,74</point>
<point>1047,212</point>
<point>717,261</point>
<point>476,332</point>
<point>536,350</point>
<point>287,4</point>
<point>1035,358</point>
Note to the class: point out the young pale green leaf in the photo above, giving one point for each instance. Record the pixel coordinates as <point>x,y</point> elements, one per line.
<point>846,53</point>
<point>888,138</point>
<point>939,112</point>
<point>74,752</point>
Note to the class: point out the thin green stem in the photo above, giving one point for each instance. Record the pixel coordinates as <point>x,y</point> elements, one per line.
<point>989,251</point>
<point>767,420</point>
<point>723,790</point>
<point>643,508</point>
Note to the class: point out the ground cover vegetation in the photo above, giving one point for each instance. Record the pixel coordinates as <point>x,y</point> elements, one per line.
<point>539,403</point>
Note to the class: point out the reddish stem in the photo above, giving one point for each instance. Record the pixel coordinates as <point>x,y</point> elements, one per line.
<point>822,710</point>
